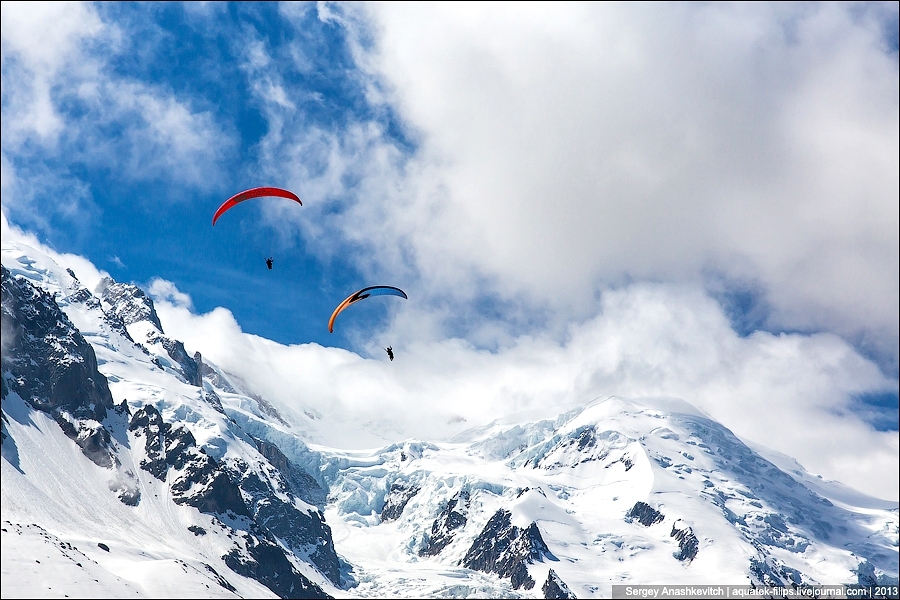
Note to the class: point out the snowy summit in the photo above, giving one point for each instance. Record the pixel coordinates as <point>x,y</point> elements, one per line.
<point>133,467</point>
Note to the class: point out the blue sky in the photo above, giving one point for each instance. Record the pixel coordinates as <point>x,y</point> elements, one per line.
<point>140,216</point>
<point>514,169</point>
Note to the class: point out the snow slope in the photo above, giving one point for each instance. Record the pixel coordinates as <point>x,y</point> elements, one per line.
<point>618,491</point>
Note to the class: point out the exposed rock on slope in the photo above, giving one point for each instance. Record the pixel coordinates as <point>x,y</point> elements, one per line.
<point>645,514</point>
<point>51,366</point>
<point>399,495</point>
<point>127,302</point>
<point>555,588</point>
<point>506,550</point>
<point>446,525</point>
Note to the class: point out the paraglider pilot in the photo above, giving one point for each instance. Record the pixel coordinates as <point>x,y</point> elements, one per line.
<point>390,352</point>
<point>269,262</point>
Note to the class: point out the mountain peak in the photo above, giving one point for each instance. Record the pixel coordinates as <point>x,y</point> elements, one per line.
<point>125,454</point>
<point>127,302</point>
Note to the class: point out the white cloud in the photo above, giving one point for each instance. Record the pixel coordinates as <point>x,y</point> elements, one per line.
<point>88,274</point>
<point>563,149</point>
<point>31,64</point>
<point>25,189</point>
<point>156,134</point>
<point>166,291</point>
<point>792,393</point>
<point>162,135</point>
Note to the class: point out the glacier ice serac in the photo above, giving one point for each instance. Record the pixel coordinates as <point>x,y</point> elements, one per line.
<point>133,467</point>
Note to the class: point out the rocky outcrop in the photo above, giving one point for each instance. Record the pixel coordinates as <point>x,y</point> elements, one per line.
<point>395,502</point>
<point>304,532</point>
<point>53,368</point>
<point>446,525</point>
<point>768,571</point>
<point>688,544</point>
<point>555,588</point>
<point>236,489</point>
<point>199,480</point>
<point>216,378</point>
<point>127,302</point>
<point>644,514</point>
<point>584,445</point>
<point>78,294</point>
<point>265,562</point>
<point>212,398</point>
<point>301,483</point>
<point>506,550</point>
<point>163,446</point>
<point>190,366</point>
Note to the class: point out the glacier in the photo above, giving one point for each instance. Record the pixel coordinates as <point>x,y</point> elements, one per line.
<point>133,467</point>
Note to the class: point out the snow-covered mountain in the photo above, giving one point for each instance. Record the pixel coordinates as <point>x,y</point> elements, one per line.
<point>133,467</point>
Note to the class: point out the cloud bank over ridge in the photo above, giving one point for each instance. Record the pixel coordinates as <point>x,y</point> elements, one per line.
<point>583,199</point>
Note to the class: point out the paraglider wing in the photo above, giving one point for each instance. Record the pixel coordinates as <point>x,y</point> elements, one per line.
<point>375,290</point>
<point>255,193</point>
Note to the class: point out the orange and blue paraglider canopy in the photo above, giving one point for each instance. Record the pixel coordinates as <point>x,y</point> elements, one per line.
<point>375,290</point>
<point>259,192</point>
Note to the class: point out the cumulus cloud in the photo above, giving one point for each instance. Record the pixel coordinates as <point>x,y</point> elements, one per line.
<point>86,272</point>
<point>65,99</point>
<point>569,185</point>
<point>790,392</point>
<point>562,150</point>
<point>166,291</point>
<point>30,69</point>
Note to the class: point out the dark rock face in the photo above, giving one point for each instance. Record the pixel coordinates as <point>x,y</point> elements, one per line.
<point>506,550</point>
<point>396,500</point>
<point>305,533</point>
<point>445,526</point>
<point>211,487</point>
<point>301,483</point>
<point>770,572</point>
<point>127,302</point>
<point>190,368</point>
<point>163,446</point>
<point>688,543</point>
<point>53,368</point>
<point>265,562</point>
<point>645,514</point>
<point>200,481</point>
<point>205,485</point>
<point>93,439</point>
<point>212,398</point>
<point>555,588</point>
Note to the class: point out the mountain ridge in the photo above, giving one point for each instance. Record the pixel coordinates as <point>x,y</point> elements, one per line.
<point>550,508</point>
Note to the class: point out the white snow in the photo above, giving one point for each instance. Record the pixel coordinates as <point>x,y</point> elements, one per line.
<point>575,476</point>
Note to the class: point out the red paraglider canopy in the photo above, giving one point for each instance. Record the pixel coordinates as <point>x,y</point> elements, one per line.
<point>255,193</point>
